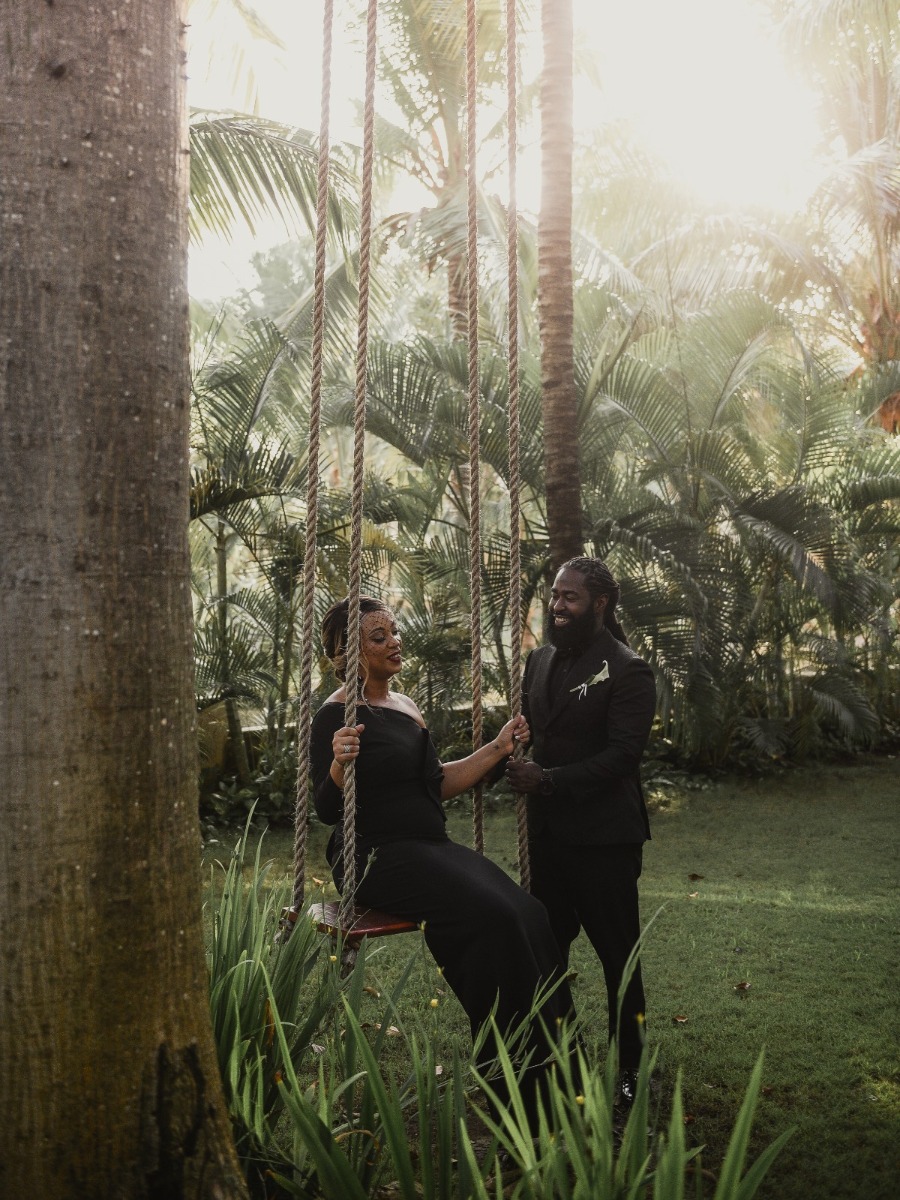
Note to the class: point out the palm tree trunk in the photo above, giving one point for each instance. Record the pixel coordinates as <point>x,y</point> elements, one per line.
<point>555,300</point>
<point>236,745</point>
<point>284,693</point>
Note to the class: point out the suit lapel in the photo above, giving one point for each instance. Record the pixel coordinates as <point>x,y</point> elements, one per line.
<point>590,663</point>
<point>541,683</point>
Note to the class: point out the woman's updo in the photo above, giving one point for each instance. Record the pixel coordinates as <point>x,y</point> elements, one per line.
<point>334,630</point>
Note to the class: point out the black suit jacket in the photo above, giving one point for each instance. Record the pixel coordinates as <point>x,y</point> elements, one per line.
<point>592,737</point>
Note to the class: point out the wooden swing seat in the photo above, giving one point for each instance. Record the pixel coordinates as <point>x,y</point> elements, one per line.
<point>364,922</point>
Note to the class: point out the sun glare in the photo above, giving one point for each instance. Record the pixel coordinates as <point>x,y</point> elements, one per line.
<point>701,84</point>
<point>704,85</point>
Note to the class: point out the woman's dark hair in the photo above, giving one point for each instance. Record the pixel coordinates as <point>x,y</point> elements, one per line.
<point>599,581</point>
<point>334,630</point>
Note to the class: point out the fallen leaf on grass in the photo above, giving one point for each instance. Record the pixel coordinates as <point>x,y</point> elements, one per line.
<point>373,992</point>
<point>318,882</point>
<point>743,986</point>
<point>680,1020</point>
<point>767,1091</point>
<point>689,1118</point>
<point>693,895</point>
<point>693,876</point>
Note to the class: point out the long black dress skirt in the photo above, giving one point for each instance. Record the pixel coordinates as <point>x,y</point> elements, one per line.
<point>492,940</point>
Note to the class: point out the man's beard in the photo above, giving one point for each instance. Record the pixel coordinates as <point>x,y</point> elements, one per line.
<point>574,637</point>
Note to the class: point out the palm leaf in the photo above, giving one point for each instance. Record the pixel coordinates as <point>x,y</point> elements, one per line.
<point>244,167</point>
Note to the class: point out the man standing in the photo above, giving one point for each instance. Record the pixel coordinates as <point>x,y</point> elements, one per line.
<point>590,701</point>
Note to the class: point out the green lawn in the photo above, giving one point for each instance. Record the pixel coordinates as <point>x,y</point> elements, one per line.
<point>797,898</point>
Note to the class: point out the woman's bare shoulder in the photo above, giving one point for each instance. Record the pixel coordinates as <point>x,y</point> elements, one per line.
<point>407,705</point>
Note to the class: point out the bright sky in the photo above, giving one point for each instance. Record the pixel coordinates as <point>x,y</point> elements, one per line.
<point>703,84</point>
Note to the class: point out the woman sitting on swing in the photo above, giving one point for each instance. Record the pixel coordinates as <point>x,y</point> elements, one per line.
<point>491,939</point>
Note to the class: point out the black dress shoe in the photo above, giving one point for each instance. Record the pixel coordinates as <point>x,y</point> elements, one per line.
<point>626,1089</point>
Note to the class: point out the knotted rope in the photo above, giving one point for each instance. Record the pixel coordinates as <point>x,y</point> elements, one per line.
<point>359,440</point>
<point>301,815</point>
<point>474,409</point>
<point>515,509</point>
<point>356,521</point>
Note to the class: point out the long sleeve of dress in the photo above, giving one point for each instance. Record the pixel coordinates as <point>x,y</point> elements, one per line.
<point>328,798</point>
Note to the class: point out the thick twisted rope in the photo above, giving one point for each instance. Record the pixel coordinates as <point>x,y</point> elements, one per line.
<point>359,441</point>
<point>474,408</point>
<point>301,817</point>
<point>515,510</point>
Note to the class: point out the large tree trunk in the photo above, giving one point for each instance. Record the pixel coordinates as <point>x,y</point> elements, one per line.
<point>555,301</point>
<point>108,1077</point>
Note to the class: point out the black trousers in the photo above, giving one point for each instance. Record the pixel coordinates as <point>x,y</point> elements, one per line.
<point>492,940</point>
<point>595,888</point>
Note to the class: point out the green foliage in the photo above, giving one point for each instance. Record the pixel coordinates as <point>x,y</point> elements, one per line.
<point>251,978</point>
<point>586,1150</point>
<point>321,1106</point>
<point>730,373</point>
<point>271,795</point>
<point>243,167</point>
<point>797,897</point>
<point>728,480</point>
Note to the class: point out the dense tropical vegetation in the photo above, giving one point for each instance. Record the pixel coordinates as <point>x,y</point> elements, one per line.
<point>735,379</point>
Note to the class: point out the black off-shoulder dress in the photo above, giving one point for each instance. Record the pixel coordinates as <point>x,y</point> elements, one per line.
<point>492,940</point>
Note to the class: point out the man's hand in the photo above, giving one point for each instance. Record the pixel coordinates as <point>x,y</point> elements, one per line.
<point>524,777</point>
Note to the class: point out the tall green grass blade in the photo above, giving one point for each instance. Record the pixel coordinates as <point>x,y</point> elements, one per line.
<point>668,1180</point>
<point>385,1109</point>
<point>751,1181</point>
<point>733,1164</point>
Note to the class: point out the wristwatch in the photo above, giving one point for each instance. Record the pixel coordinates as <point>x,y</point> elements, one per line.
<point>546,787</point>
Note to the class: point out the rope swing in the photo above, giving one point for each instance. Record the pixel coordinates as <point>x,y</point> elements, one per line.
<point>344,918</point>
<point>304,716</point>
<point>359,445</point>
<point>516,616</point>
<point>474,410</point>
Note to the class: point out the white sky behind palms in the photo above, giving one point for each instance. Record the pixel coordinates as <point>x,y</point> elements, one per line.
<point>703,84</point>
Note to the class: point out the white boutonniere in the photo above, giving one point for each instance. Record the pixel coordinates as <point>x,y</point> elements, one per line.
<point>601,676</point>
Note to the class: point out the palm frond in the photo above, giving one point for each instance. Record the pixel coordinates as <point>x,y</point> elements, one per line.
<point>243,167</point>
<point>844,703</point>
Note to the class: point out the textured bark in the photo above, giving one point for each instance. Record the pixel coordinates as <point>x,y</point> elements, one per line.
<point>108,1077</point>
<point>555,300</point>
